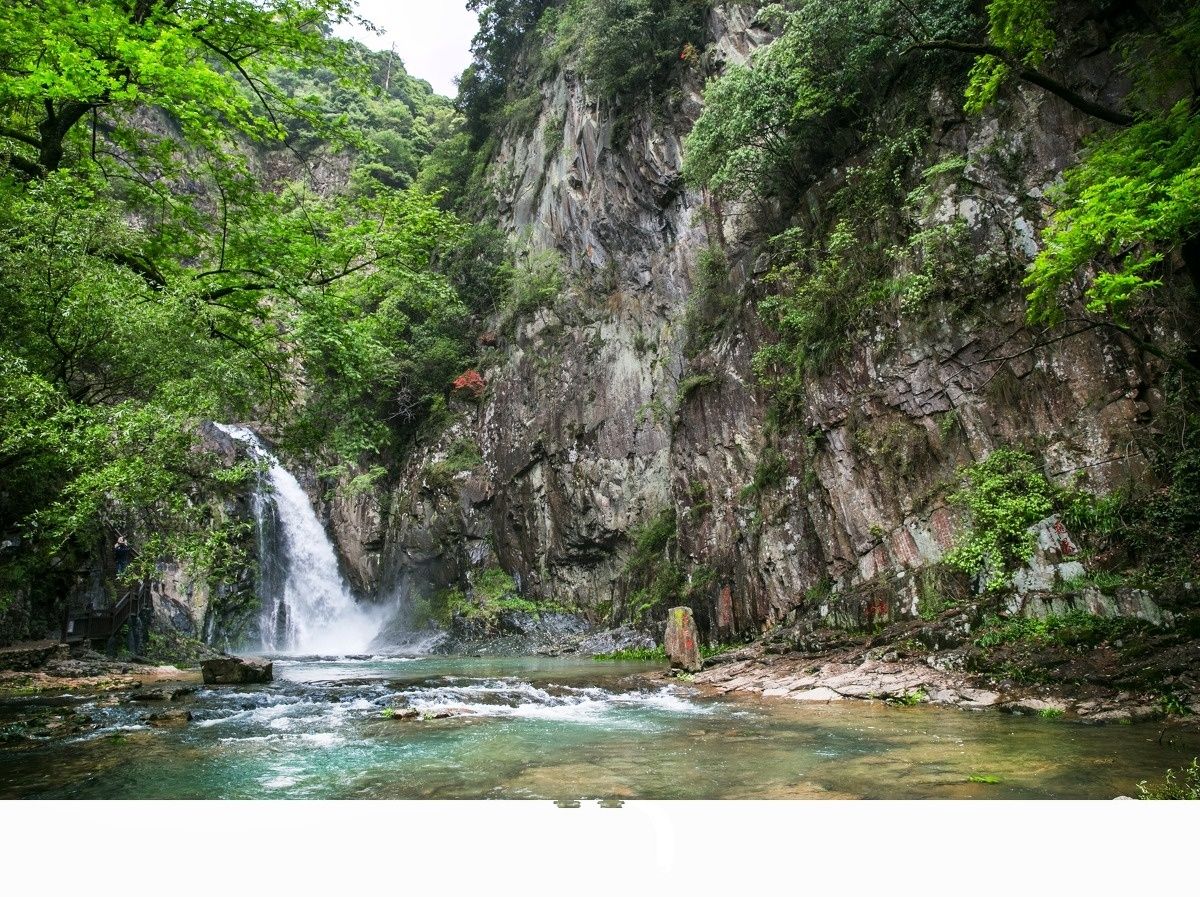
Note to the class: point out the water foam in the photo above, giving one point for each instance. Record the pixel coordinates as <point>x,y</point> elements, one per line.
<point>519,699</point>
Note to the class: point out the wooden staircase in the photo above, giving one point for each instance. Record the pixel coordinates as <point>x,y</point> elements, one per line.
<point>91,624</point>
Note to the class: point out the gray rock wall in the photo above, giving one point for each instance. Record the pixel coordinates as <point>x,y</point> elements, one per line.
<point>585,434</point>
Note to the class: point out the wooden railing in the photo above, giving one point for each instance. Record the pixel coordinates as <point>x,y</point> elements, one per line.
<point>90,624</point>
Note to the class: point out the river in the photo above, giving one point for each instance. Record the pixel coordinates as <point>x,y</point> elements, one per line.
<point>561,729</point>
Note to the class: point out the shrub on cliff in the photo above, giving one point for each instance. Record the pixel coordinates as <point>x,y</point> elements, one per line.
<point>769,125</point>
<point>628,48</point>
<point>1005,494</point>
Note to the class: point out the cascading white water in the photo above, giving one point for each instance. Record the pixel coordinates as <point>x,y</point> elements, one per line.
<point>307,607</point>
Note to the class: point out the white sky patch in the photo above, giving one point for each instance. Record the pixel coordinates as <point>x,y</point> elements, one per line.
<point>432,37</point>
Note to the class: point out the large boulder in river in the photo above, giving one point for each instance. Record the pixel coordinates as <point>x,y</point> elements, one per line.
<point>682,641</point>
<point>236,671</point>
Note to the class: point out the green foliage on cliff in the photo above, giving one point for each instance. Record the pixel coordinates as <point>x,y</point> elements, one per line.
<point>1125,217</point>
<point>1133,201</point>
<point>504,26</point>
<point>1071,630</point>
<point>463,455</point>
<point>626,51</point>
<point>491,593</point>
<point>1005,494</point>
<point>691,383</point>
<point>1021,34</point>
<point>874,255</point>
<point>657,577</point>
<point>769,473</point>
<point>712,302</point>
<point>535,281</point>
<point>771,125</point>
<point>1149,527</point>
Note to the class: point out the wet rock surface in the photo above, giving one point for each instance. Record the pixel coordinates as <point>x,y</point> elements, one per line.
<point>166,693</point>
<point>169,718</point>
<point>803,678</point>
<point>236,671</point>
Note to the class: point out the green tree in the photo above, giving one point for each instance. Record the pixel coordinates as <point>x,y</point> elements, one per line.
<point>160,267</point>
<point>206,64</point>
<point>627,49</point>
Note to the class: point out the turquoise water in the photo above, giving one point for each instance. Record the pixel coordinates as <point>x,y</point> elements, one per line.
<point>562,729</point>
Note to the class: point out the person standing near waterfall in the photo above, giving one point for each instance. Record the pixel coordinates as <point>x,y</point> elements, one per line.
<point>123,553</point>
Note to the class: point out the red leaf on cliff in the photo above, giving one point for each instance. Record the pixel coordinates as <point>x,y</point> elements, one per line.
<point>471,383</point>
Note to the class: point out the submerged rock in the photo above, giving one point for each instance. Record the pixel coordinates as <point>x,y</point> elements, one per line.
<point>166,693</point>
<point>682,641</point>
<point>153,694</point>
<point>236,671</point>
<point>821,694</point>
<point>170,718</point>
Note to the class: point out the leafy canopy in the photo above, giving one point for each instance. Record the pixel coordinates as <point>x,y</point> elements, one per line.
<point>166,259</point>
<point>206,64</point>
<point>1133,202</point>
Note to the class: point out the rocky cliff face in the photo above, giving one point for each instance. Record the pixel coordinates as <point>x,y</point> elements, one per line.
<point>596,418</point>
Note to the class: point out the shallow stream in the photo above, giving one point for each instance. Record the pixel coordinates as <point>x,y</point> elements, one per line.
<point>562,729</point>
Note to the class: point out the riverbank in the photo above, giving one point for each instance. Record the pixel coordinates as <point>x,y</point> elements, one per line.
<point>48,668</point>
<point>51,694</point>
<point>1105,682</point>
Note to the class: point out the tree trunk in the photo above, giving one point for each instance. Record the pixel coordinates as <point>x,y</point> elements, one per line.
<point>1190,250</point>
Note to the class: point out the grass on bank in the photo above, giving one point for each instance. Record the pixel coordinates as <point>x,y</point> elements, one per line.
<point>659,653</point>
<point>1181,785</point>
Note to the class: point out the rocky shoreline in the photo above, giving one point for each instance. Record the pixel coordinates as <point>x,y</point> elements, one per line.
<point>851,675</point>
<point>48,667</point>
<point>828,667</point>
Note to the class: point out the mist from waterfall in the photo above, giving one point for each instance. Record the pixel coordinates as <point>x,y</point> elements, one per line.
<point>307,606</point>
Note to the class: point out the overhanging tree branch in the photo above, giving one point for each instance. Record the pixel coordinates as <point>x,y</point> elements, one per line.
<point>12,134</point>
<point>1033,76</point>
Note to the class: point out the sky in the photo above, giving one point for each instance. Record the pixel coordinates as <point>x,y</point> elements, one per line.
<point>433,37</point>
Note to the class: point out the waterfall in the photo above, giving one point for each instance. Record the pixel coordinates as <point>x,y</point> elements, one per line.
<point>307,606</point>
